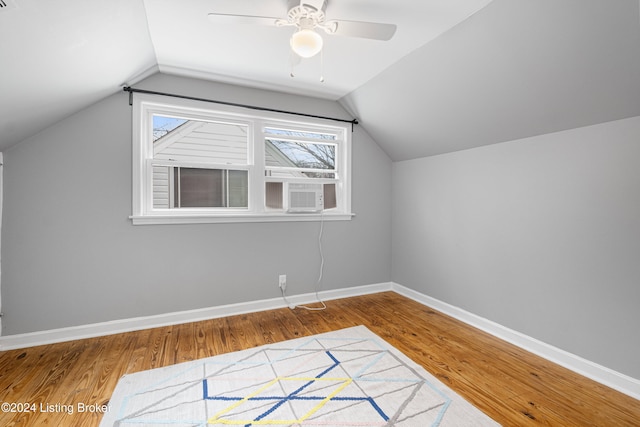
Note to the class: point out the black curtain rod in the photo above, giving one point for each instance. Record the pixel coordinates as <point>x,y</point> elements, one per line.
<point>132,90</point>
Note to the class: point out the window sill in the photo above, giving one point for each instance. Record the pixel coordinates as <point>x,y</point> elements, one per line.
<point>234,218</point>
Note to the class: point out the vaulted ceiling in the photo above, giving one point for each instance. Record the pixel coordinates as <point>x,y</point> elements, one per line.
<point>457,74</point>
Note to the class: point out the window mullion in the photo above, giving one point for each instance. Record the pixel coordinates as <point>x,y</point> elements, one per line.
<point>179,190</point>
<point>257,193</point>
<point>172,185</point>
<point>226,189</point>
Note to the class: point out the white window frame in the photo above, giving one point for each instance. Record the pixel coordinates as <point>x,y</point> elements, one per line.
<point>145,106</point>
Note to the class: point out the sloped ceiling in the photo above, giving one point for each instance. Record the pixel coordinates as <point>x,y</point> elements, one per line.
<point>516,69</point>
<point>60,56</point>
<point>457,74</point>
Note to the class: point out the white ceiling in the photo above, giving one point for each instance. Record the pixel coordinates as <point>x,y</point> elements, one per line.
<point>457,74</point>
<point>186,42</point>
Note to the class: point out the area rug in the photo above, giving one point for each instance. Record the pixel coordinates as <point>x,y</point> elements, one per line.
<point>349,377</point>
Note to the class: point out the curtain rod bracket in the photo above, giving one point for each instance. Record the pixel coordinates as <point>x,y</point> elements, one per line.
<point>128,89</point>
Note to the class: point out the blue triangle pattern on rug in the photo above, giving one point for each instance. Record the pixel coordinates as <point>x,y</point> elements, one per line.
<point>297,395</point>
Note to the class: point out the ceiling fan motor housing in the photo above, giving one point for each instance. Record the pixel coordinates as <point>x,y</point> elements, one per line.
<point>319,5</point>
<point>306,14</point>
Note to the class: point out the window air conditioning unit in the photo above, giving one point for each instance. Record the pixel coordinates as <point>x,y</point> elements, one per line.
<point>305,197</point>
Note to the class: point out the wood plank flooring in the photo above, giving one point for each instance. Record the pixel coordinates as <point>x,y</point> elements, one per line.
<point>512,386</point>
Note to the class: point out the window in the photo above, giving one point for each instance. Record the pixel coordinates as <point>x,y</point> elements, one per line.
<point>297,157</point>
<point>193,163</point>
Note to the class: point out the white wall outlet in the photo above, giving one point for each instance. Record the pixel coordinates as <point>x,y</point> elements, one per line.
<point>282,282</point>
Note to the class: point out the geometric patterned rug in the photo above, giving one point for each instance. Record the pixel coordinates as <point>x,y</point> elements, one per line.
<point>349,377</point>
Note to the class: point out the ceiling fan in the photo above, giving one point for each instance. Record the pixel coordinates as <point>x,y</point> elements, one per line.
<point>308,16</point>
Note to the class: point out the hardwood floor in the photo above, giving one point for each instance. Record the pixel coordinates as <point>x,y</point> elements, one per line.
<point>512,386</point>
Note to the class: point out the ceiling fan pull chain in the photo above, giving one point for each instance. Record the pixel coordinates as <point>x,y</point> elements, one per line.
<point>321,66</point>
<point>291,64</point>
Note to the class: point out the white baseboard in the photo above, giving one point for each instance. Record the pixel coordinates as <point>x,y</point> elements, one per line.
<point>601,374</point>
<point>623,383</point>
<point>31,339</point>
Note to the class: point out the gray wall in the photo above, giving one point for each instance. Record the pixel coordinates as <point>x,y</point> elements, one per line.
<point>541,235</point>
<point>72,257</point>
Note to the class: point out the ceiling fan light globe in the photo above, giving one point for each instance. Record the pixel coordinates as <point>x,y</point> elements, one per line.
<point>306,43</point>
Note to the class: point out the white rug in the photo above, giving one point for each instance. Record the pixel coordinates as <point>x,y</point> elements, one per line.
<point>349,377</point>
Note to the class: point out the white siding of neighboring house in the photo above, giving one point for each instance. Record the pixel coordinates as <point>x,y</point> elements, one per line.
<point>161,187</point>
<point>274,158</point>
<point>204,142</point>
<point>197,142</point>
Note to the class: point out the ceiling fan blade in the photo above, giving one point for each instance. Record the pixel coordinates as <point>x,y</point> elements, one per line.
<point>224,18</point>
<point>366,30</point>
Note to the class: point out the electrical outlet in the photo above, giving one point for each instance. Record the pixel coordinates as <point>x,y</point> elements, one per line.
<point>282,282</point>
